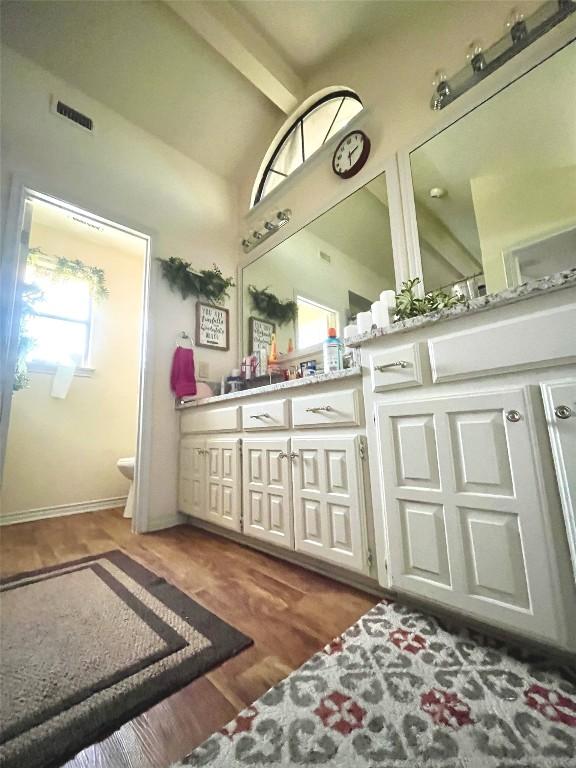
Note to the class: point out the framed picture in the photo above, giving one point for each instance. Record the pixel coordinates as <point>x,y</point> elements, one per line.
<point>259,334</point>
<point>212,327</point>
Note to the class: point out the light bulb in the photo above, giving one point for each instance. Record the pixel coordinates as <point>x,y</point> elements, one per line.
<point>517,26</point>
<point>476,56</point>
<point>439,77</point>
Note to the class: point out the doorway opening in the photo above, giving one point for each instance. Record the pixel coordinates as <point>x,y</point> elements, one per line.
<point>72,415</point>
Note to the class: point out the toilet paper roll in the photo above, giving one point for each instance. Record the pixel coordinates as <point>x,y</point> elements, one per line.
<point>364,321</point>
<point>380,314</point>
<point>350,330</point>
<point>389,298</point>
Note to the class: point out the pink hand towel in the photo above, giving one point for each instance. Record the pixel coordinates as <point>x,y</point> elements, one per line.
<point>182,378</point>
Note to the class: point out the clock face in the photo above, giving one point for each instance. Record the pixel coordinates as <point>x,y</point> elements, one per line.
<point>351,154</point>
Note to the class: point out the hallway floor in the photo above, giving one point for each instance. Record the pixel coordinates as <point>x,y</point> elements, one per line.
<point>288,611</point>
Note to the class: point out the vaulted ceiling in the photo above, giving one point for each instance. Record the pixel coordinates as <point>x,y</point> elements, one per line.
<point>214,80</point>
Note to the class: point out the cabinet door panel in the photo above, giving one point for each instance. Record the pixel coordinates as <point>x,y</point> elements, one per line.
<point>267,510</point>
<point>192,481</point>
<point>481,455</point>
<point>464,513</point>
<point>562,430</point>
<point>415,452</point>
<point>494,556</point>
<point>223,483</point>
<point>424,541</point>
<point>329,517</point>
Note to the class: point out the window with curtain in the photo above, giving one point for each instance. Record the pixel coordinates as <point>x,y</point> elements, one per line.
<point>62,321</point>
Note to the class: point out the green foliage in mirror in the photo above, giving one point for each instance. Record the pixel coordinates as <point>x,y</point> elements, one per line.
<point>408,304</point>
<point>268,305</point>
<point>206,283</point>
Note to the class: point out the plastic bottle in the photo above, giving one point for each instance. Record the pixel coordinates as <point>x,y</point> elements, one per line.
<point>333,352</point>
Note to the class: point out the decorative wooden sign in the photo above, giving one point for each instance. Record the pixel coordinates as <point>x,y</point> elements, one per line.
<point>212,327</point>
<point>259,334</point>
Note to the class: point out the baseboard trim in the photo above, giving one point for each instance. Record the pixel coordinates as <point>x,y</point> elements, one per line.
<point>29,515</point>
<point>160,523</point>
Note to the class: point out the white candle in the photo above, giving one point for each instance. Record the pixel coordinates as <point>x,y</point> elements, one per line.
<point>380,316</point>
<point>364,321</point>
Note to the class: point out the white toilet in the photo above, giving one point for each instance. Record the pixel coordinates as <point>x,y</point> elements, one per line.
<point>126,467</point>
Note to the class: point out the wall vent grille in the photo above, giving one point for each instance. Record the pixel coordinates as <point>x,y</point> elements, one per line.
<point>76,117</point>
<point>325,256</point>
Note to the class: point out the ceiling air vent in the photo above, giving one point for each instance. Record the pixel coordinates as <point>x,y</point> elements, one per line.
<point>69,113</point>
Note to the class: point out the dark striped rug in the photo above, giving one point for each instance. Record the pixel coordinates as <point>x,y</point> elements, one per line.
<point>87,645</point>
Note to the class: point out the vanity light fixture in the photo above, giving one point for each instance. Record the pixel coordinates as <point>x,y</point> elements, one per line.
<point>269,227</point>
<point>520,33</point>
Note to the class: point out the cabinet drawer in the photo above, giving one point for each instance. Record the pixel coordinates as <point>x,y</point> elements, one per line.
<point>273,415</point>
<point>533,341</point>
<point>202,420</point>
<point>398,367</point>
<point>330,409</point>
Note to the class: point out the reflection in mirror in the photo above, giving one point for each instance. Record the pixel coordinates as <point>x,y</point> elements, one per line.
<point>333,268</point>
<point>495,192</point>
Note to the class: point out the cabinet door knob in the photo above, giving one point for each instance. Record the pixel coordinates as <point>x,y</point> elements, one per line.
<point>513,416</point>
<point>293,455</point>
<point>282,455</point>
<point>563,412</point>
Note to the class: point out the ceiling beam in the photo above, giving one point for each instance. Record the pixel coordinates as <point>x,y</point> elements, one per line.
<point>231,34</point>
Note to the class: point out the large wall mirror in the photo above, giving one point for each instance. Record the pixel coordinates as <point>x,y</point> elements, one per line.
<point>495,193</point>
<point>332,269</point>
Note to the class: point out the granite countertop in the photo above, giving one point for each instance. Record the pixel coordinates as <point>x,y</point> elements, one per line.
<point>307,381</point>
<point>565,279</point>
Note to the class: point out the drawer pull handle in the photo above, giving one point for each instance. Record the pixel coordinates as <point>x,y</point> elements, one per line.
<point>319,408</point>
<point>513,416</point>
<point>260,416</point>
<point>397,364</point>
<point>563,412</point>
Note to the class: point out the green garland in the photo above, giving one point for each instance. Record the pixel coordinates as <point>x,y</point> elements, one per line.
<point>409,305</point>
<point>70,269</point>
<point>31,294</point>
<point>270,306</point>
<point>208,283</point>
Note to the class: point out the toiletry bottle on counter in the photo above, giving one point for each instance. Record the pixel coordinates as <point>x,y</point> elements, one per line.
<point>333,352</point>
<point>273,350</point>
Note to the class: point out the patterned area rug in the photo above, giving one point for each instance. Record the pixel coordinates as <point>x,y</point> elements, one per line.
<point>401,689</point>
<point>86,646</point>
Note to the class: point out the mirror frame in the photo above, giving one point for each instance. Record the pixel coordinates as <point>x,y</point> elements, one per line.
<point>397,233</point>
<point>541,50</point>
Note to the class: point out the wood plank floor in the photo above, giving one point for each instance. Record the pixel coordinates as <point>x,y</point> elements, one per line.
<point>289,612</point>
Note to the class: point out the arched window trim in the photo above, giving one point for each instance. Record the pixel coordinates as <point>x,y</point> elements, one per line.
<point>295,120</point>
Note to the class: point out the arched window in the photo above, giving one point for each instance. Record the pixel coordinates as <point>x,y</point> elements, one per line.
<point>305,132</point>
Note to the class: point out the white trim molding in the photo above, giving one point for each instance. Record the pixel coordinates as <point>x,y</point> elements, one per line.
<point>161,523</point>
<point>62,510</point>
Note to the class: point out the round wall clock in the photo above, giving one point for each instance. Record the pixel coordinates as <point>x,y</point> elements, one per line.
<point>351,154</point>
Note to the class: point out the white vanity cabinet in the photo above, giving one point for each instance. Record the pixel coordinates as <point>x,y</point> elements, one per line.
<point>469,467</point>
<point>307,494</point>
<point>291,474</point>
<point>209,480</point>
<point>466,519</point>
<point>560,403</point>
<point>329,513</point>
<point>267,492</point>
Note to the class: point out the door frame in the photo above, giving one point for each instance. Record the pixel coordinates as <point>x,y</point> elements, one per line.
<point>12,267</point>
